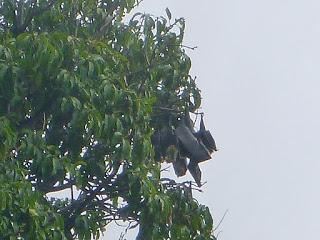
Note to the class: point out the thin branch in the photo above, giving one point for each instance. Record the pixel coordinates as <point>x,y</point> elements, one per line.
<point>165,169</point>
<point>48,189</point>
<point>183,46</point>
<point>173,184</point>
<point>191,48</point>
<point>225,213</point>
<point>218,234</point>
<point>172,25</point>
<point>71,190</point>
<point>137,4</point>
<point>120,225</point>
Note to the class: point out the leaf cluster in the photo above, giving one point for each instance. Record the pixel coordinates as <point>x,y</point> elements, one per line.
<point>81,93</point>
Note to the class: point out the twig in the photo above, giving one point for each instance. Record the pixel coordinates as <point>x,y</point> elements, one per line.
<point>204,183</point>
<point>165,169</point>
<point>172,183</point>
<point>45,188</point>
<point>218,234</point>
<point>183,46</point>
<point>72,196</point>
<point>137,4</point>
<point>123,234</point>
<point>172,25</point>
<point>44,121</point>
<point>225,213</point>
<point>119,223</point>
<point>191,48</point>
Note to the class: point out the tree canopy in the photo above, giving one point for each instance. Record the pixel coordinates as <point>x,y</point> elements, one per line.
<point>85,97</point>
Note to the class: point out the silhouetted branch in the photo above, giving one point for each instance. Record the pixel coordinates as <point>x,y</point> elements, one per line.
<point>225,213</point>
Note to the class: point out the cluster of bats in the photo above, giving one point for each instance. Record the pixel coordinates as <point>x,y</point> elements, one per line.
<point>178,144</point>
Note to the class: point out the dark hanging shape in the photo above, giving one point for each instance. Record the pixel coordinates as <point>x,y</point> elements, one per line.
<point>195,171</point>
<point>206,137</point>
<point>180,166</point>
<point>209,141</point>
<point>195,149</point>
<point>188,122</point>
<point>156,142</point>
<point>161,140</point>
<point>171,154</point>
<point>202,126</point>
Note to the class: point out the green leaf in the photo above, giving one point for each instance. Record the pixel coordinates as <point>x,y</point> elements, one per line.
<point>33,212</point>
<point>90,69</point>
<point>148,25</point>
<point>196,99</point>
<point>55,165</point>
<point>3,70</point>
<point>109,91</point>
<point>126,149</point>
<point>75,103</point>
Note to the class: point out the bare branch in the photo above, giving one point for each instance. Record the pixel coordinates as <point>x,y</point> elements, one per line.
<point>184,46</point>
<point>43,187</point>
<point>225,213</point>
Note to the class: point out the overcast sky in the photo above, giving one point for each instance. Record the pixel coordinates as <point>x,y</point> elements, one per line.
<point>258,65</point>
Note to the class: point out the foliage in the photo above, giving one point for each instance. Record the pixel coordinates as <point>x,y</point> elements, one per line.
<point>81,93</point>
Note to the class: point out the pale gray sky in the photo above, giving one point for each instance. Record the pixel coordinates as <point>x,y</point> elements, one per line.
<point>258,65</point>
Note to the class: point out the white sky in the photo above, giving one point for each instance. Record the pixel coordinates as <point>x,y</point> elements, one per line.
<point>258,65</point>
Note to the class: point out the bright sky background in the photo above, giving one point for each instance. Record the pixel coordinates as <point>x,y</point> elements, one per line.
<point>258,65</point>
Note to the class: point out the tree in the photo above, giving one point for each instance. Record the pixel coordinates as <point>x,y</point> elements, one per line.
<point>83,95</point>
